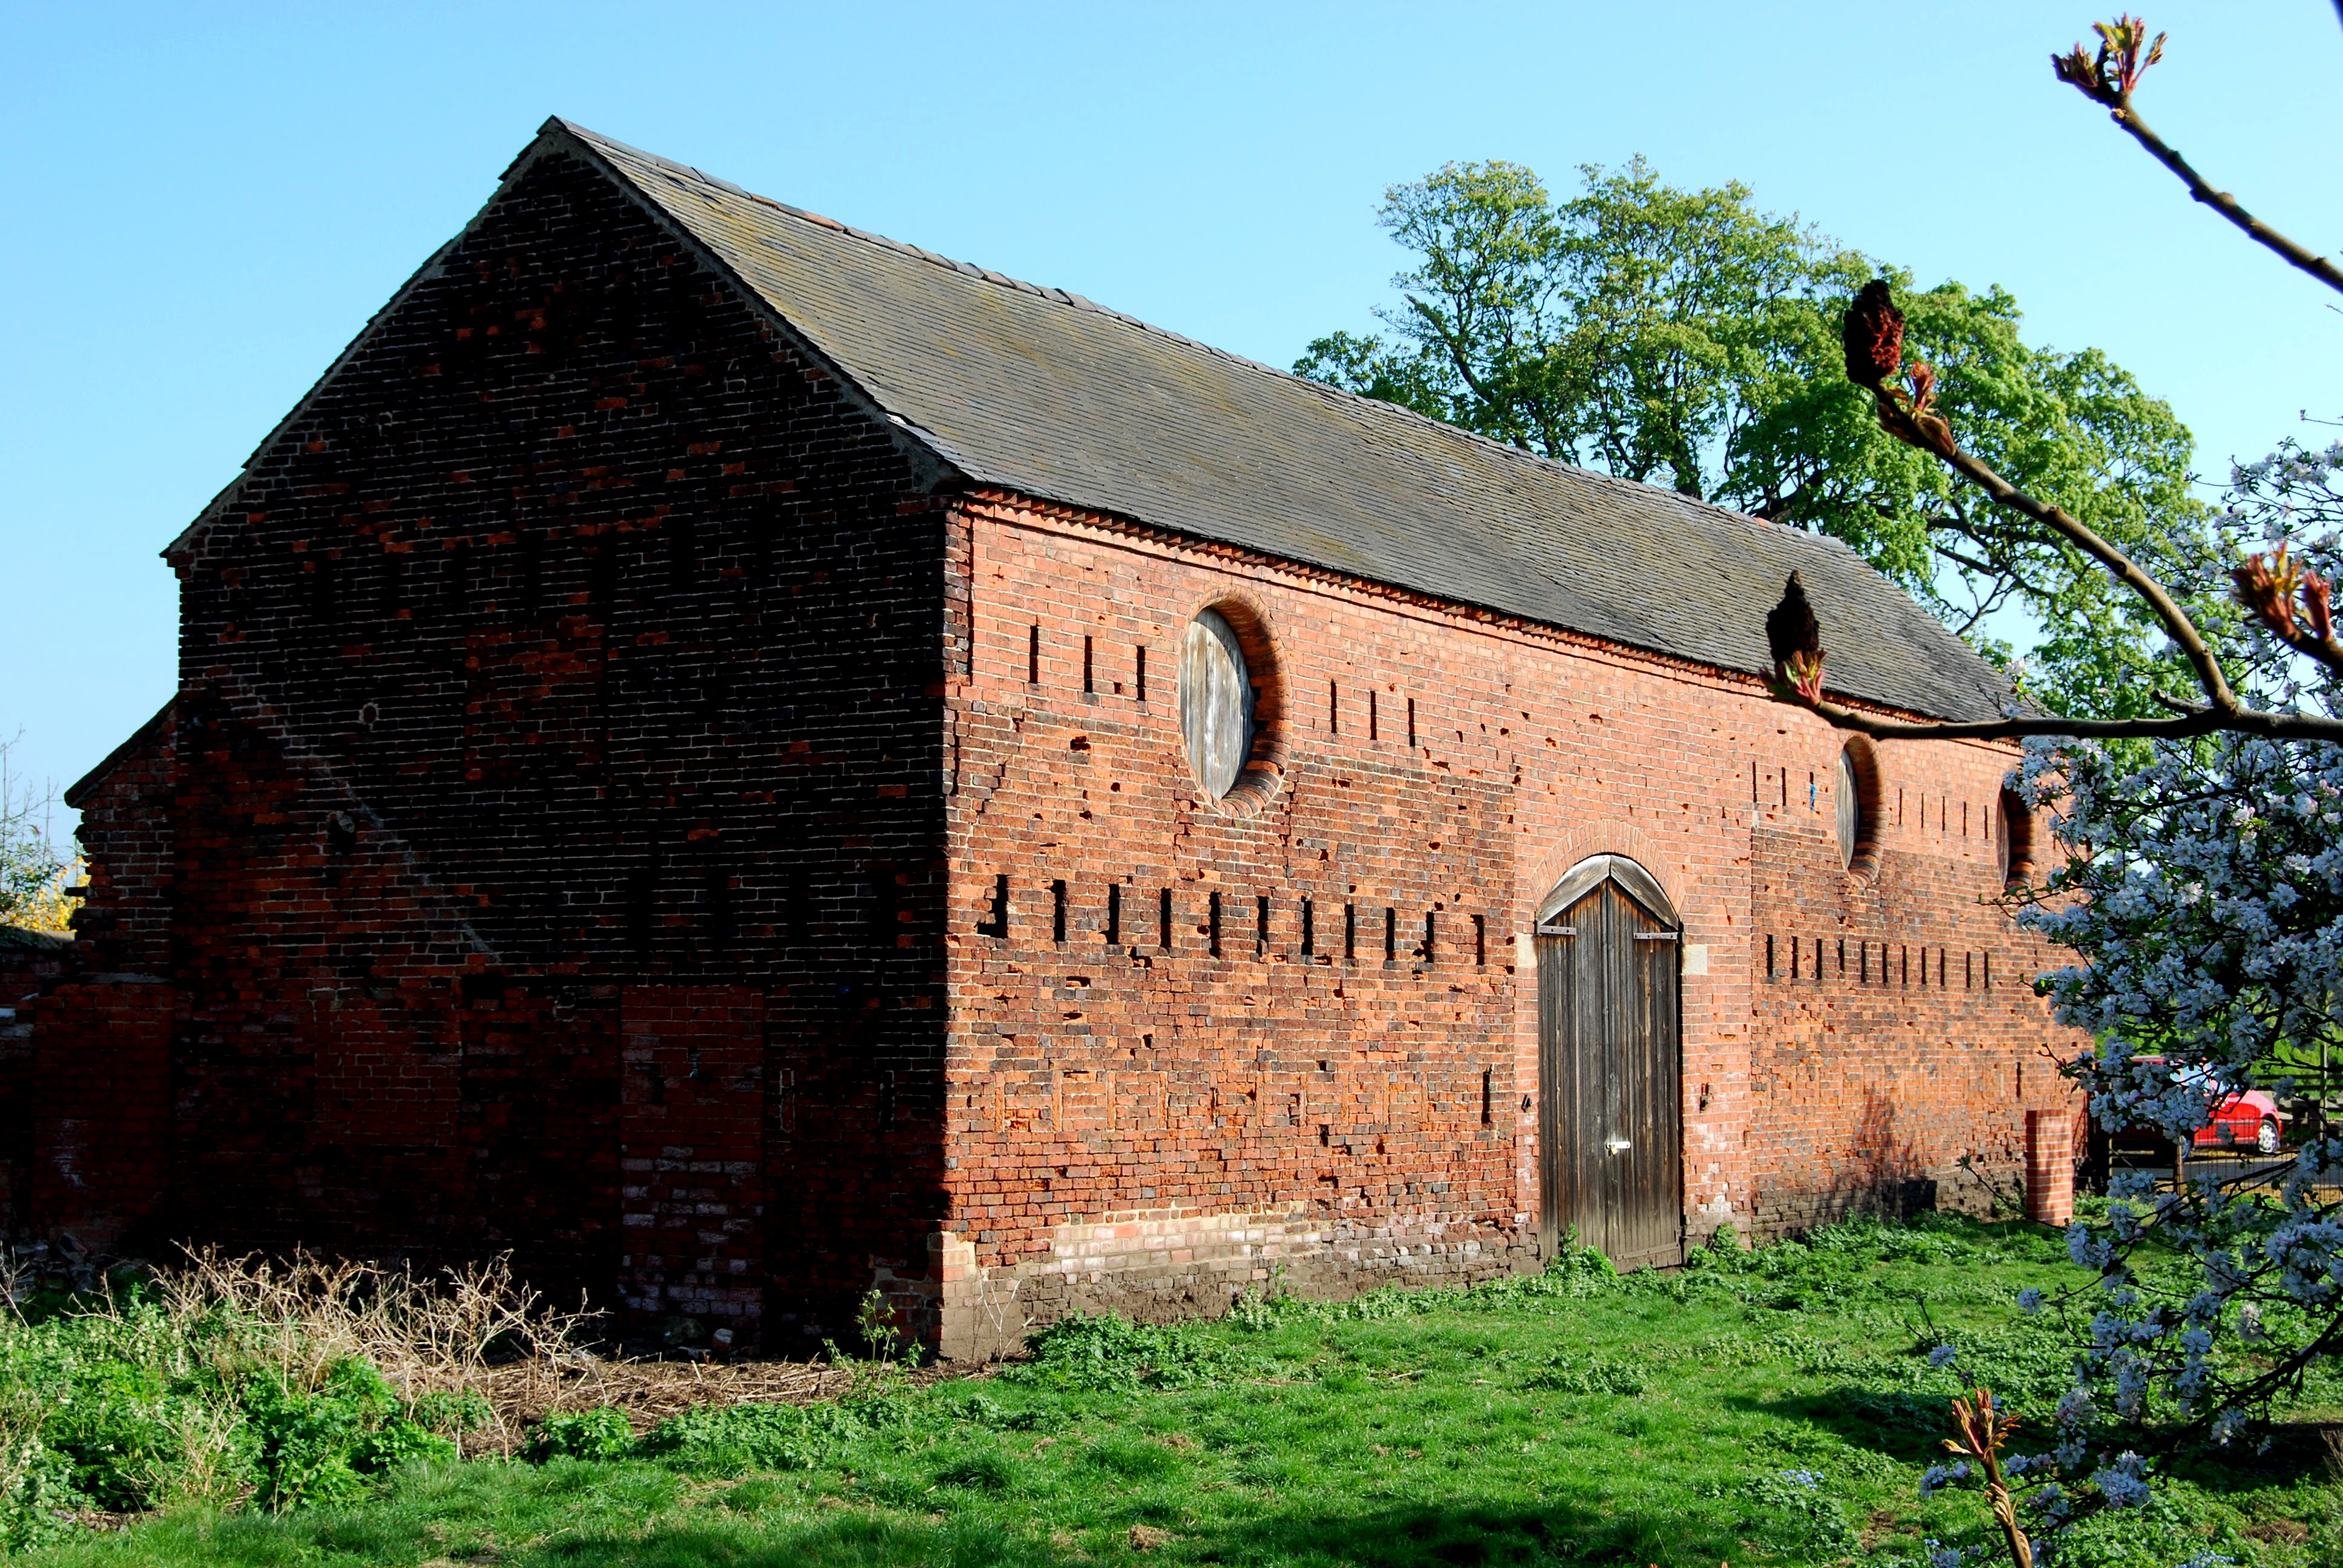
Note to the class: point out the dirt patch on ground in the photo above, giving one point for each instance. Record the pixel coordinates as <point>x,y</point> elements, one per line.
<point>649,1392</point>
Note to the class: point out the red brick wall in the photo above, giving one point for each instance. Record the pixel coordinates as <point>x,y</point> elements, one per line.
<point>692,1153</point>
<point>101,1112</point>
<point>579,633</point>
<point>1092,1081</point>
<point>124,924</point>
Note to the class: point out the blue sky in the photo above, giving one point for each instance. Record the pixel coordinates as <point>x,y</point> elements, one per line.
<point>209,200</point>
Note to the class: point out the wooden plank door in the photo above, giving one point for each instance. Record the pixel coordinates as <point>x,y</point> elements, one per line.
<point>1610,1080</point>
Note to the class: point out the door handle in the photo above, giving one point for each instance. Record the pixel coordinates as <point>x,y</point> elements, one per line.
<point>1617,1145</point>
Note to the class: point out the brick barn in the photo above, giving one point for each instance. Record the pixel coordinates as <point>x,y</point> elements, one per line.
<point>748,762</point>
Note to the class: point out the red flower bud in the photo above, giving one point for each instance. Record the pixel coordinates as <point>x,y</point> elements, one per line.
<point>1873,335</point>
<point>2317,606</point>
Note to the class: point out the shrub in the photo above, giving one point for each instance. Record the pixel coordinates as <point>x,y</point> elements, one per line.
<point>315,1442</point>
<point>601,1432</point>
<point>733,1439</point>
<point>1107,1351</point>
<point>226,1380</point>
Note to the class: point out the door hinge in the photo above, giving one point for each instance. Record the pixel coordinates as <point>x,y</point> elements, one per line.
<point>1553,931</point>
<point>1655,936</point>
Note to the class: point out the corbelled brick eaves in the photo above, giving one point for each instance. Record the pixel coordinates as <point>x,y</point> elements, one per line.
<point>1038,390</point>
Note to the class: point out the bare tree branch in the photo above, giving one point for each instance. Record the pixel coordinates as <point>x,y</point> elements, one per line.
<point>2270,587</point>
<point>2123,56</point>
<point>2192,719</point>
<point>2177,624</point>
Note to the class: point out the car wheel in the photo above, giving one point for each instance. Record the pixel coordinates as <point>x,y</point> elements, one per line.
<point>2267,1139</point>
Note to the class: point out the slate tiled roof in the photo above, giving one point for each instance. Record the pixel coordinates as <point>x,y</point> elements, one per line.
<point>1040,391</point>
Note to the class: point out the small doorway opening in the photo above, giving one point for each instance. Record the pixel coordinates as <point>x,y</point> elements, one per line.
<point>1610,1064</point>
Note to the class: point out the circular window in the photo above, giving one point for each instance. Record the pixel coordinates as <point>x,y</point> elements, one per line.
<point>1217,702</point>
<point>1858,800</point>
<point>2017,839</point>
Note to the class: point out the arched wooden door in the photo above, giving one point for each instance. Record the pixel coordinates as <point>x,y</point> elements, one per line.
<point>1610,1066</point>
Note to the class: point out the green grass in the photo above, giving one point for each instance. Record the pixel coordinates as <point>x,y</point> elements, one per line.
<point>1777,1410</point>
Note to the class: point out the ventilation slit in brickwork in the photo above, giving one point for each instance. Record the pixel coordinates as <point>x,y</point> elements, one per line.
<point>1862,962</point>
<point>1309,928</point>
<point>1058,911</point>
<point>1794,958</point>
<point>1333,709</point>
<point>1904,962</point>
<point>532,573</point>
<point>1968,970</point>
<point>1842,955</point>
<point>1964,818</point>
<point>1488,1095</point>
<point>1374,728</point>
<point>719,910</point>
<point>1391,935</point>
<point>797,912</point>
<point>1786,789</point>
<point>1988,972</point>
<point>1350,933</point>
<point>996,924</point>
<point>1212,930</point>
<point>1410,723</point>
<point>1429,931</point>
<point>1114,914</point>
<point>1139,667</point>
<point>642,908</point>
<point>1770,970</point>
<point>321,590</point>
<point>1163,920</point>
<point>1753,783</point>
<point>1261,927</point>
<point>1033,656</point>
<point>601,579</point>
<point>1089,667</point>
<point>1480,941</point>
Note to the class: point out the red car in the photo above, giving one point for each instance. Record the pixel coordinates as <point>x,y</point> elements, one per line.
<point>2245,1118</point>
<point>2242,1119</point>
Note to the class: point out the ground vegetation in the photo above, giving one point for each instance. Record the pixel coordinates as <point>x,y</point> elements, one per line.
<point>1780,1405</point>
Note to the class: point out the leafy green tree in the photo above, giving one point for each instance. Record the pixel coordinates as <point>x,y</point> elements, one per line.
<point>31,872</point>
<point>1685,338</point>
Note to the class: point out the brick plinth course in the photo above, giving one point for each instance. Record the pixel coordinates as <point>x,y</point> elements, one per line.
<point>603,739</point>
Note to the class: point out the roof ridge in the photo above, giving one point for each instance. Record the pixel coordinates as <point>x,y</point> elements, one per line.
<point>1080,302</point>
